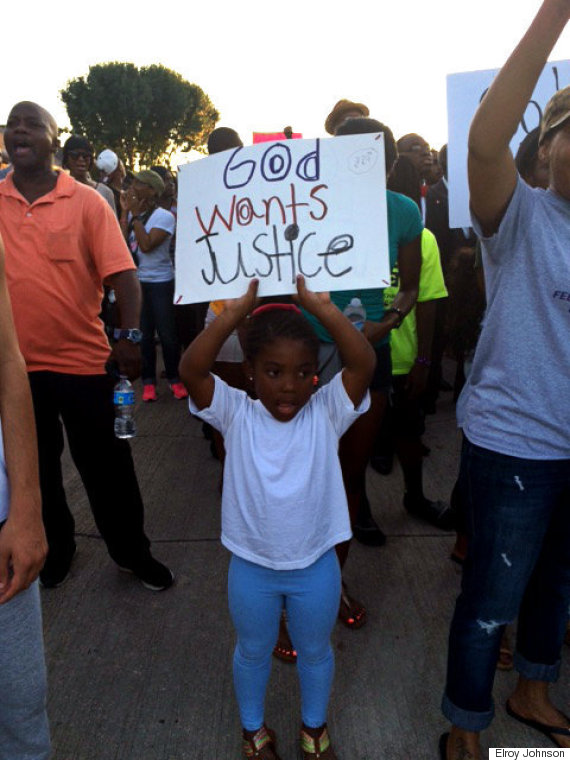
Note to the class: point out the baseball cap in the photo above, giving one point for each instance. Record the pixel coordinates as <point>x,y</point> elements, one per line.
<point>557,111</point>
<point>152,179</point>
<point>107,161</point>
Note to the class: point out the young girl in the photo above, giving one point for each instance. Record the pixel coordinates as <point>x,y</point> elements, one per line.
<point>283,506</point>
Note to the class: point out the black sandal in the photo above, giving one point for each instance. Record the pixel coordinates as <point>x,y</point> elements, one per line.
<point>351,612</point>
<point>550,731</point>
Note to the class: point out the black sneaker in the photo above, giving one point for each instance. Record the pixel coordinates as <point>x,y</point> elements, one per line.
<point>367,532</point>
<point>151,573</point>
<point>436,513</point>
<point>57,567</point>
<point>365,528</point>
<point>381,463</point>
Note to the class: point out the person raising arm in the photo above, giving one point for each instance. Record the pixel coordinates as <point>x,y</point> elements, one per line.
<point>491,166</point>
<point>283,505</point>
<point>515,463</point>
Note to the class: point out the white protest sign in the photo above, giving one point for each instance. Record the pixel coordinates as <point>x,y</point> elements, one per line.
<point>275,210</point>
<point>464,93</point>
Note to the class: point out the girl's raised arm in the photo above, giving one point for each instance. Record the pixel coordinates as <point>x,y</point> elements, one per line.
<point>357,354</point>
<point>198,359</point>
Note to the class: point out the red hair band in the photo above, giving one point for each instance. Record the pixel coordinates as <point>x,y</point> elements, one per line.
<point>275,307</point>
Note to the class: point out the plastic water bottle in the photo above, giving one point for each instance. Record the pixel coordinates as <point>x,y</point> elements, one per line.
<point>356,313</point>
<point>124,400</point>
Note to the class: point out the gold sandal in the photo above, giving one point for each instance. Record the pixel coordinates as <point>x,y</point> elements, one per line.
<point>318,748</point>
<point>261,746</point>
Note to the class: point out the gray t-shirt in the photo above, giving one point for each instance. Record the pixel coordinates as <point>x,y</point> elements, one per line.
<point>516,400</point>
<point>106,193</point>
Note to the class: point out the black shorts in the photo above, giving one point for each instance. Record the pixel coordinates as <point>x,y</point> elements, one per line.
<point>407,413</point>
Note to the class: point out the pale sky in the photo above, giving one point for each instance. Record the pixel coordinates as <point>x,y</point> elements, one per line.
<point>268,64</point>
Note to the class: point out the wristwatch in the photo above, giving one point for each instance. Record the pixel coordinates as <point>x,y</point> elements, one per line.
<point>134,335</point>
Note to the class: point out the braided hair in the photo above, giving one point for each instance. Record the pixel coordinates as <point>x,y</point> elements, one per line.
<point>273,321</point>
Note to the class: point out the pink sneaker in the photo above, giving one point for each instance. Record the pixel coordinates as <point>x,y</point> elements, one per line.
<point>178,390</point>
<point>149,393</point>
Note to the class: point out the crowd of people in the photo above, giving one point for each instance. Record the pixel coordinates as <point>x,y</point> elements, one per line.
<point>299,403</point>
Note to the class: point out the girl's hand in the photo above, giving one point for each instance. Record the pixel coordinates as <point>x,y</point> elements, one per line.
<point>312,302</point>
<point>242,306</point>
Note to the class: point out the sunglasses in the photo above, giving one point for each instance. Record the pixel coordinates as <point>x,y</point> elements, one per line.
<point>77,154</point>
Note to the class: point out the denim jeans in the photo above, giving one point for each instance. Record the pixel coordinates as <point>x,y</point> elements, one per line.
<point>257,595</point>
<point>518,563</point>
<point>157,315</point>
<point>24,731</point>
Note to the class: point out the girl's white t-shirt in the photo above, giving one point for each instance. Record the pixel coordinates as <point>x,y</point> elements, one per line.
<point>283,501</point>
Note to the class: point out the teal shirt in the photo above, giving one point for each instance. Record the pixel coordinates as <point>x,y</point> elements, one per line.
<point>404,225</point>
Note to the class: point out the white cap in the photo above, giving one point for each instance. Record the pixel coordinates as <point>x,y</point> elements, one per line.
<point>107,161</point>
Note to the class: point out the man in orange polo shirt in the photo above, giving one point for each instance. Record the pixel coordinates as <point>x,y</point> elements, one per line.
<point>62,243</point>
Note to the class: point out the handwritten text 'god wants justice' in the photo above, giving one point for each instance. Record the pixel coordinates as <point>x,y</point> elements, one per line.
<point>299,189</point>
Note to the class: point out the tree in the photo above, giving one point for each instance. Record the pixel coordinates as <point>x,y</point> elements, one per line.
<point>143,114</point>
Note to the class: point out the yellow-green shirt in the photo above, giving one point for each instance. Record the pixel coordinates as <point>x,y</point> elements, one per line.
<point>404,340</point>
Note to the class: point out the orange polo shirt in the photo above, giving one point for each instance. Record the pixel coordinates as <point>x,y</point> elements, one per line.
<point>59,249</point>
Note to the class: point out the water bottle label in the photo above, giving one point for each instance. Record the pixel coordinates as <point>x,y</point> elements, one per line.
<point>124,398</point>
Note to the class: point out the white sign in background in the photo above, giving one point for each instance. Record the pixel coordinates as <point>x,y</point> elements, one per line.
<point>464,93</point>
<point>274,210</point>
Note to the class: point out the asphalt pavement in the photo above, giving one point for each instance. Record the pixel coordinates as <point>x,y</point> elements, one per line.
<point>137,675</point>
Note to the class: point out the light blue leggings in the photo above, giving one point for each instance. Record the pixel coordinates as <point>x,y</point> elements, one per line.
<point>311,596</point>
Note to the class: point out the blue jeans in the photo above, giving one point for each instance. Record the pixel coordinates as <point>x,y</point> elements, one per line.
<point>311,596</point>
<point>24,729</point>
<point>518,563</point>
<point>157,315</point>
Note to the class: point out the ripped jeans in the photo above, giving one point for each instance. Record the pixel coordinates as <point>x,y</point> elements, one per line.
<point>518,563</point>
